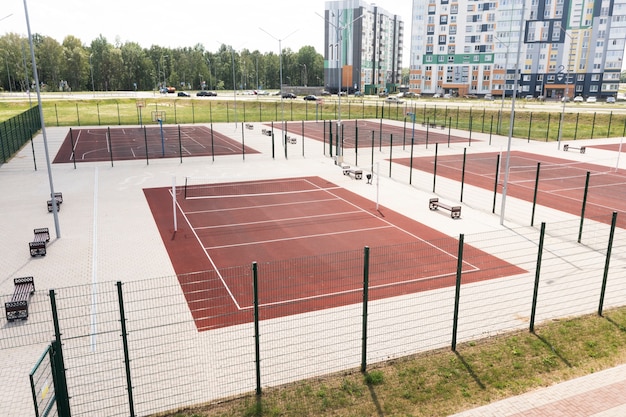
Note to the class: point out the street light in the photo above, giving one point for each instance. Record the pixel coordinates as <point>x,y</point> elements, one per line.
<point>280,70</point>
<point>565,95</point>
<point>232,58</point>
<point>505,184</point>
<point>338,38</point>
<point>93,89</point>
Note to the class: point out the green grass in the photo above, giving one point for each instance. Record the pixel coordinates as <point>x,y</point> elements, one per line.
<point>538,125</point>
<point>443,382</point>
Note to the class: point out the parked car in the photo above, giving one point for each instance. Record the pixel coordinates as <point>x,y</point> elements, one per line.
<point>394,100</point>
<point>383,94</point>
<point>358,94</point>
<point>610,99</point>
<point>488,97</point>
<point>578,99</point>
<point>205,93</point>
<point>310,97</point>
<point>171,90</point>
<point>529,97</point>
<point>436,95</point>
<point>592,99</point>
<point>183,94</point>
<point>289,95</point>
<point>261,92</point>
<point>325,93</point>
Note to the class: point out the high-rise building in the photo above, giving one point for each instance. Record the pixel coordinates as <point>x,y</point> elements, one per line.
<point>363,48</point>
<point>568,47</point>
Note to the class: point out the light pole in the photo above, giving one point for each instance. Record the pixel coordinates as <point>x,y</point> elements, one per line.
<point>505,184</point>
<point>93,89</point>
<point>338,38</point>
<point>506,66</point>
<point>232,59</point>
<point>565,95</point>
<point>280,70</point>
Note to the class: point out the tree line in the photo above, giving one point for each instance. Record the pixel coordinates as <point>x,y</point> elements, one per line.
<point>102,66</point>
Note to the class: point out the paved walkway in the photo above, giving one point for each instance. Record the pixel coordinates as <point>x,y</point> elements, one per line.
<point>602,394</point>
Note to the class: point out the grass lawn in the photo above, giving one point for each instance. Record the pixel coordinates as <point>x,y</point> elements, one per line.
<point>443,382</point>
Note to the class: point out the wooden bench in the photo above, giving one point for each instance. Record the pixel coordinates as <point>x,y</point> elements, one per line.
<point>59,198</point>
<point>358,174</point>
<point>17,308</point>
<point>455,211</point>
<point>38,244</point>
<point>249,126</point>
<point>266,132</point>
<point>567,147</point>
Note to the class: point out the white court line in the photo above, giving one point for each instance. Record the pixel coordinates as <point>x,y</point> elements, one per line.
<point>209,197</point>
<point>359,290</point>
<point>262,206</point>
<point>73,153</point>
<point>223,226</point>
<point>261,242</point>
<point>473,268</point>
<point>232,297</point>
<point>94,265</point>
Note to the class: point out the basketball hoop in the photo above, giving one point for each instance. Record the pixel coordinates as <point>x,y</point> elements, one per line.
<point>158,116</point>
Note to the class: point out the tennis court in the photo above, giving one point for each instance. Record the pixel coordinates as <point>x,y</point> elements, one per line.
<point>560,183</point>
<point>368,133</point>
<point>309,229</point>
<point>128,143</point>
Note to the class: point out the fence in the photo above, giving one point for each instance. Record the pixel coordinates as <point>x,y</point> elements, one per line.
<point>134,347</point>
<point>16,131</point>
<point>538,125</point>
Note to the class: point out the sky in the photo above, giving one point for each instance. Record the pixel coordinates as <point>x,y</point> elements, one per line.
<point>185,23</point>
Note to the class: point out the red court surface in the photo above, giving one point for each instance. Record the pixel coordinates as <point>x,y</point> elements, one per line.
<point>118,144</point>
<point>364,128</point>
<point>287,226</point>
<point>616,147</point>
<point>561,182</point>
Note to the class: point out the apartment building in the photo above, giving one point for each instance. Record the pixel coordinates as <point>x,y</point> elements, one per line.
<point>363,48</point>
<point>566,47</point>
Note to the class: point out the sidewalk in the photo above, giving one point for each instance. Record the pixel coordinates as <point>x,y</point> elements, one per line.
<point>602,394</point>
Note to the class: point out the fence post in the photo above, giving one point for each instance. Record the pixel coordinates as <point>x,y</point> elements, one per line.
<point>257,346</point>
<point>129,384</point>
<point>463,173</point>
<point>366,278</point>
<point>63,400</point>
<point>495,186</point>
<point>582,211</point>
<point>457,293</point>
<point>606,263</point>
<point>532,216</point>
<point>537,273</point>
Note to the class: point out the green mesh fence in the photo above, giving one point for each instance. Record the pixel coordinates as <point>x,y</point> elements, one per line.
<point>16,131</point>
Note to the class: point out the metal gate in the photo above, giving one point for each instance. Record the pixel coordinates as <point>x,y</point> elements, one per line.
<point>48,385</point>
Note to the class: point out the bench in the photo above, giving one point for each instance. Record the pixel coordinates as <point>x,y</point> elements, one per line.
<point>249,126</point>
<point>358,174</point>
<point>59,198</point>
<point>38,244</point>
<point>434,125</point>
<point>267,132</point>
<point>567,147</point>
<point>17,308</point>
<point>292,140</point>
<point>455,211</point>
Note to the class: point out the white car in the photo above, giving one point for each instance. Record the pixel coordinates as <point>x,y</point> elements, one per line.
<point>592,99</point>
<point>578,99</point>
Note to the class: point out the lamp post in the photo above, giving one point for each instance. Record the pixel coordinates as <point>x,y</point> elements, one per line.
<point>280,70</point>
<point>505,184</point>
<point>93,89</point>
<point>565,95</point>
<point>339,29</point>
